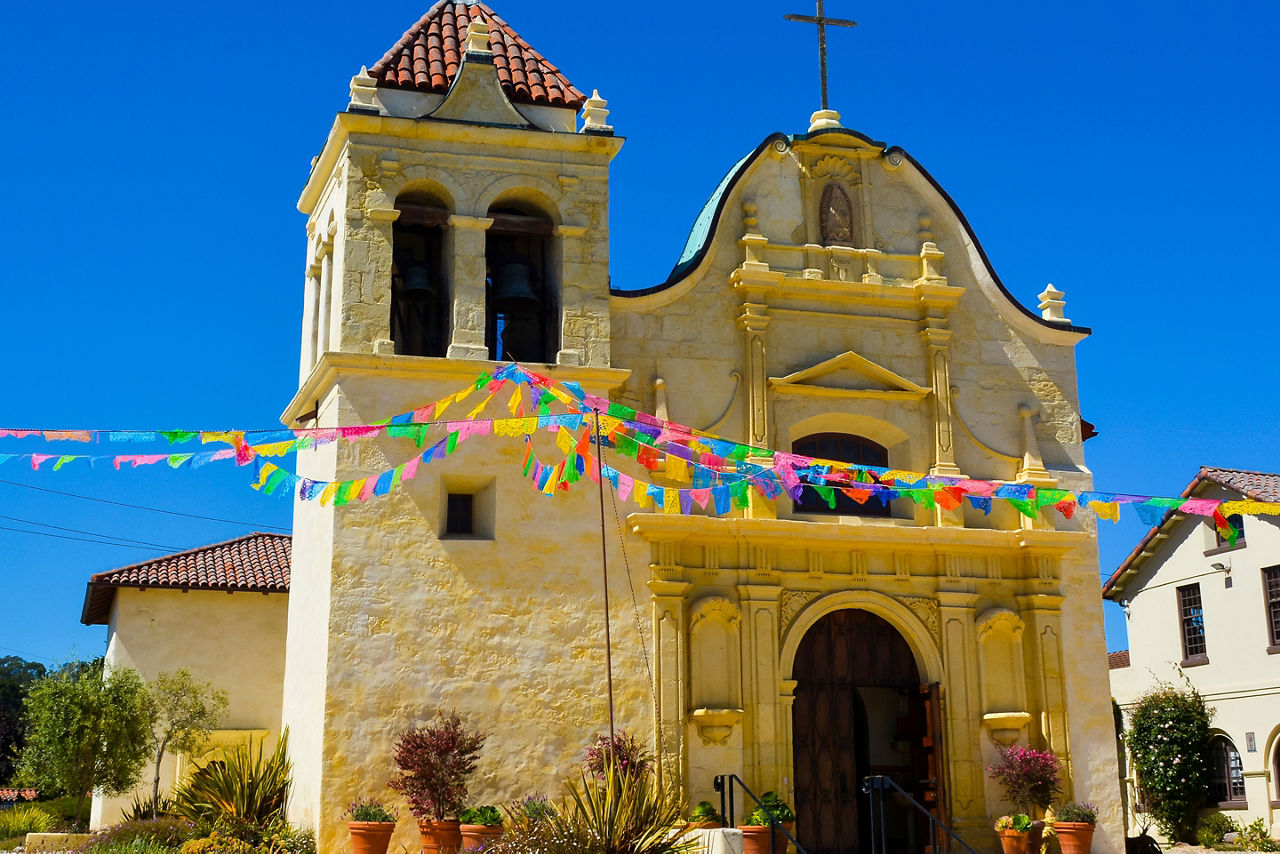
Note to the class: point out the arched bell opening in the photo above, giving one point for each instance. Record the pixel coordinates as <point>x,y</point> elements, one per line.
<point>522,306</point>
<point>419,290</point>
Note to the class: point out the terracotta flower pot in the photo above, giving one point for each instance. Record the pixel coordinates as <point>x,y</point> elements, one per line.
<point>780,841</point>
<point>1075,837</point>
<point>703,825</point>
<point>476,836</point>
<point>371,837</point>
<point>1022,842</point>
<point>440,837</point>
<point>756,839</point>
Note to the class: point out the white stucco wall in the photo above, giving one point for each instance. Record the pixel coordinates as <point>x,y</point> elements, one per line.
<point>235,641</point>
<point>1241,681</point>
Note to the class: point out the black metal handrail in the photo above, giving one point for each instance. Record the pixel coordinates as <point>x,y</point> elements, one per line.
<point>875,787</point>
<point>726,809</point>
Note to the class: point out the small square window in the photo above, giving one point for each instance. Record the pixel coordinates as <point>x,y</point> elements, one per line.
<point>460,515</point>
<point>1221,542</point>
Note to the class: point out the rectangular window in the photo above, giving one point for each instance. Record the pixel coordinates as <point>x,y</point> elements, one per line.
<point>1224,543</point>
<point>1271,595</point>
<point>460,518</point>
<point>1191,613</point>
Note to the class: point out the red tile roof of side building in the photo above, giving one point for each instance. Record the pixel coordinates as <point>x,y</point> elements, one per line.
<point>1254,485</point>
<point>1116,660</point>
<point>427,58</point>
<point>255,563</point>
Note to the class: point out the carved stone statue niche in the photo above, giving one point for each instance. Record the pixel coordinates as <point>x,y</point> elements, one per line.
<point>836,217</point>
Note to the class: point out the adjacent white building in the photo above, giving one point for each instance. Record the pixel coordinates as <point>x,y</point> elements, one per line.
<point>1200,605</point>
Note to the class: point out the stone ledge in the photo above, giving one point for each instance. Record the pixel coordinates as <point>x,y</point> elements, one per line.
<point>55,841</point>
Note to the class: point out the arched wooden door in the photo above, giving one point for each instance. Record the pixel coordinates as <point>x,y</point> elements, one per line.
<point>858,710</point>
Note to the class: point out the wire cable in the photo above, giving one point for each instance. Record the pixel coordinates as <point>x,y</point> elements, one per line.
<point>82,539</point>
<point>89,533</point>
<point>254,525</point>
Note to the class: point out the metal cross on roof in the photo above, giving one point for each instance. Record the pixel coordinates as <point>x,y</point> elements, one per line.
<point>823,22</point>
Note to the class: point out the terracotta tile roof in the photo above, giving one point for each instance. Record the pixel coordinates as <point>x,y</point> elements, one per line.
<point>8,795</point>
<point>427,58</point>
<point>1256,485</point>
<point>257,563</point>
<point>1116,660</point>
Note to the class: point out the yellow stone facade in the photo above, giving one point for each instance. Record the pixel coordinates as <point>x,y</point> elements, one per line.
<point>769,331</point>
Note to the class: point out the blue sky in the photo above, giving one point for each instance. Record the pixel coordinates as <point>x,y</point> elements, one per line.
<point>152,256</point>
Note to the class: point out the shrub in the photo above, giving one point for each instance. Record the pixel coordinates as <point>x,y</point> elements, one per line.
<point>1254,837</point>
<point>1029,777</point>
<point>1078,812</point>
<point>1213,827</point>
<point>435,760</point>
<point>622,749</point>
<point>242,792</point>
<point>522,815</point>
<point>370,810</point>
<point>1169,740</point>
<point>486,815</point>
<point>1020,822</point>
<point>167,833</point>
<point>24,819</point>
<point>144,808</point>
<point>281,837</point>
<point>217,843</point>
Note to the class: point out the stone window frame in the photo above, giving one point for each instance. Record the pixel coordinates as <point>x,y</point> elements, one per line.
<point>811,503</point>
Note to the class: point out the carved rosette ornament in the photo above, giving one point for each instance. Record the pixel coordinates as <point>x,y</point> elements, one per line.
<point>790,604</point>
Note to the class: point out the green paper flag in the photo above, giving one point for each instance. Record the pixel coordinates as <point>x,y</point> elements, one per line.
<point>1025,507</point>
<point>626,413</point>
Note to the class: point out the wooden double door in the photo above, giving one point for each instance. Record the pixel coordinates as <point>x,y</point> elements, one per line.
<point>860,709</point>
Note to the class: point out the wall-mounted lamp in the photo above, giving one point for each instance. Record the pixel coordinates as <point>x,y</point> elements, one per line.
<point>1124,606</point>
<point>1221,567</point>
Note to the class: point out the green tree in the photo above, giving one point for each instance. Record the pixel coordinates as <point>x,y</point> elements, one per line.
<point>86,730</point>
<point>1168,738</point>
<point>16,676</point>
<point>186,710</point>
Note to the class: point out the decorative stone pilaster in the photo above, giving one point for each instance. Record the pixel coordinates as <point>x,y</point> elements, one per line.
<point>324,310</point>
<point>937,343</point>
<point>963,709</point>
<point>755,281</point>
<point>467,296</point>
<point>669,676</point>
<point>1042,648</point>
<point>310,306</point>
<point>764,754</point>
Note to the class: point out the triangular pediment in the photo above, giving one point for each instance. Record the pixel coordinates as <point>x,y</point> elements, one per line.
<point>849,375</point>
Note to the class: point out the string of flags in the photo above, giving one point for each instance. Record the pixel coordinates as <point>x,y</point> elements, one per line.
<point>716,474</point>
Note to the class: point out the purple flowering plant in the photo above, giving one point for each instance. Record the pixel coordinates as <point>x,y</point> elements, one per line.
<point>1029,776</point>
<point>623,750</point>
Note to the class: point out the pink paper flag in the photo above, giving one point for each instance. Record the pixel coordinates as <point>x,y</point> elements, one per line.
<point>357,432</point>
<point>624,486</point>
<point>423,414</point>
<point>19,434</point>
<point>147,459</point>
<point>1200,506</point>
<point>411,468</point>
<point>367,489</point>
<point>701,496</point>
<point>37,459</point>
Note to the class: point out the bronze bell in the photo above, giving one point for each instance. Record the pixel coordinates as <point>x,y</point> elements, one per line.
<point>512,293</point>
<point>417,286</point>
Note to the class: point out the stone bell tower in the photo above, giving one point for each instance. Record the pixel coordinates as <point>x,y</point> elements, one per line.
<point>457,217</point>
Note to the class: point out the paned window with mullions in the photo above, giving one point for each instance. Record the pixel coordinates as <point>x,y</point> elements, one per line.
<point>1271,595</point>
<point>1226,772</point>
<point>1191,613</point>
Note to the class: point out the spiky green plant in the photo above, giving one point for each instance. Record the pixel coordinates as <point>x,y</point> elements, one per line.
<point>623,811</point>
<point>244,789</point>
<point>24,819</point>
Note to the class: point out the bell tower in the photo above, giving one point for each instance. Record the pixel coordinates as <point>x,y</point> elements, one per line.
<point>457,209</point>
<point>457,217</point>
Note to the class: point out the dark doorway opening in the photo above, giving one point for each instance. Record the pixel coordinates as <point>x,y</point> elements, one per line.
<point>860,710</point>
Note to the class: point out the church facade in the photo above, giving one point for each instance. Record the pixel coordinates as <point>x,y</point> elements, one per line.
<point>831,302</point>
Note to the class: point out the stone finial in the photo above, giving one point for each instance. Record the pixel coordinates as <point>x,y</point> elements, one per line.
<point>594,112</point>
<point>364,92</point>
<point>1051,303</point>
<point>926,228</point>
<point>477,37</point>
<point>824,120</point>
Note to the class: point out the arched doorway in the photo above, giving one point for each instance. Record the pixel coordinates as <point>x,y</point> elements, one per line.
<point>859,710</point>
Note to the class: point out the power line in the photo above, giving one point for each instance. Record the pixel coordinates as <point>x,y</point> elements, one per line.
<point>83,539</point>
<point>88,533</point>
<point>254,525</point>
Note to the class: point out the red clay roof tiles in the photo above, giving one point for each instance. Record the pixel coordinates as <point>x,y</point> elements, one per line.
<point>1116,660</point>
<point>428,55</point>
<point>257,563</point>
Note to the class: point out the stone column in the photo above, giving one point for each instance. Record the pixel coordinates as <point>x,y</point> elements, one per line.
<point>962,713</point>
<point>310,304</point>
<point>754,281</point>
<point>324,333</point>
<point>669,673</point>
<point>762,730</point>
<point>467,297</point>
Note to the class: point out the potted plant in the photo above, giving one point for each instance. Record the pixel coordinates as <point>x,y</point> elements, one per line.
<point>705,817</point>
<point>435,760</point>
<point>759,836</point>
<point>371,824</point>
<point>1029,777</point>
<point>1019,834</point>
<point>1074,827</point>
<point>480,826</point>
